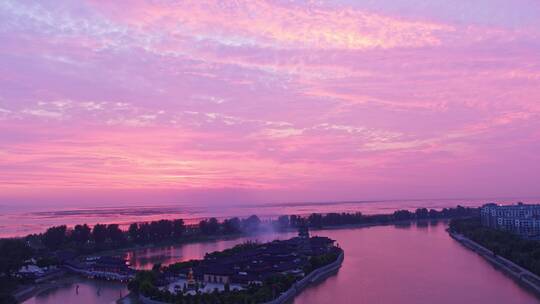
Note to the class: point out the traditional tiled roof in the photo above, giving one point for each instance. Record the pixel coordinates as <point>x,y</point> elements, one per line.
<point>256,264</point>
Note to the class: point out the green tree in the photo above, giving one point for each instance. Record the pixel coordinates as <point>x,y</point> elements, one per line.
<point>231,226</point>
<point>401,215</point>
<point>178,228</point>
<point>315,220</point>
<point>13,253</point>
<point>133,232</point>
<point>115,234</point>
<point>251,224</point>
<point>422,213</point>
<point>99,233</point>
<point>55,237</point>
<point>210,226</point>
<point>81,234</point>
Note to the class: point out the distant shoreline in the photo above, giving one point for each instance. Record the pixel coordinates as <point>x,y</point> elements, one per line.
<point>39,220</point>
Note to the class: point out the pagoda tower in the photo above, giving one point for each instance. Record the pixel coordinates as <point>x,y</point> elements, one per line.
<point>304,245</point>
<point>190,279</point>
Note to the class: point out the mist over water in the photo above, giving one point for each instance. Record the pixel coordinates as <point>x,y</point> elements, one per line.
<point>23,220</point>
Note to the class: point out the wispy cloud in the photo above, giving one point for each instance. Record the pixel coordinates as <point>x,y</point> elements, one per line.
<point>269,95</point>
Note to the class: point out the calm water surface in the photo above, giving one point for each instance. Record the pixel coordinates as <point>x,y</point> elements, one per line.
<point>383,265</point>
<point>388,265</point>
<point>90,292</point>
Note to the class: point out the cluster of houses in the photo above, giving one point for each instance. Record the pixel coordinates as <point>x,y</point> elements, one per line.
<point>250,266</point>
<point>98,267</point>
<point>521,219</point>
<point>38,273</point>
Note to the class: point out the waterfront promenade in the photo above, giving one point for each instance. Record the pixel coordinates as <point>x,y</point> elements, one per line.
<point>312,278</point>
<point>526,278</point>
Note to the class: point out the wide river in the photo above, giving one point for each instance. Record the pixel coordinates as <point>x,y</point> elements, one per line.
<point>383,265</point>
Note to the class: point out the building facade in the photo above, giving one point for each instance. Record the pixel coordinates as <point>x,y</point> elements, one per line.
<point>521,219</point>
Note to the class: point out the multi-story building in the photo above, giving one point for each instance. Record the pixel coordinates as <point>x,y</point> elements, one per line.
<point>521,219</point>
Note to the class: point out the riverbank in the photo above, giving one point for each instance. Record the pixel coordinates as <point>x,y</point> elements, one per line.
<point>316,276</point>
<point>521,275</point>
<point>26,292</point>
<point>130,298</point>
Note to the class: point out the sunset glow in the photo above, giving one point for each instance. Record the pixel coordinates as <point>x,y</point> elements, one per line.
<point>268,101</point>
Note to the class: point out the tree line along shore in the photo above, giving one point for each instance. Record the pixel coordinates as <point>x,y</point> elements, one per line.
<point>61,243</point>
<point>523,252</point>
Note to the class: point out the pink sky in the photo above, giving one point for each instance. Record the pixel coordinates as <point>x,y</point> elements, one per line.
<point>266,101</point>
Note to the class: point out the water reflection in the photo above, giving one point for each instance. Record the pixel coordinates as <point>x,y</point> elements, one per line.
<point>81,291</point>
<point>403,225</point>
<point>422,224</point>
<point>145,258</point>
<point>418,265</point>
<point>384,265</point>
